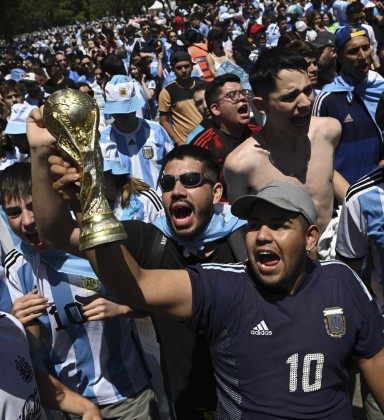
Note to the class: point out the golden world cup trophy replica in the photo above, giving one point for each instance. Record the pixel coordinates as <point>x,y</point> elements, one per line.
<point>72,117</point>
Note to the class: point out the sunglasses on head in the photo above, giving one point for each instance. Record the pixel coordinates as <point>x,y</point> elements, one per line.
<point>188,180</point>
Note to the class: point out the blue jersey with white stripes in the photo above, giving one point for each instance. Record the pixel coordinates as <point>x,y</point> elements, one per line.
<point>140,153</point>
<point>278,355</point>
<point>101,360</point>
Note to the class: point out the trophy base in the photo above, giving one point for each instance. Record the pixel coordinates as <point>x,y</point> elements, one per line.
<point>99,230</point>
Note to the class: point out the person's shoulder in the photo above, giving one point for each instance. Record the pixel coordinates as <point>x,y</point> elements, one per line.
<point>12,259</point>
<point>153,198</point>
<point>330,271</point>
<point>244,153</point>
<point>374,181</point>
<point>335,272</point>
<point>327,127</point>
<point>220,271</point>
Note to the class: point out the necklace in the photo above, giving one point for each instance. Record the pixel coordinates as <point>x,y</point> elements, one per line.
<point>184,87</point>
<point>300,174</point>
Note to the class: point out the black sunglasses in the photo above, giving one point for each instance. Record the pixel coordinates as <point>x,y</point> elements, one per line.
<point>189,180</point>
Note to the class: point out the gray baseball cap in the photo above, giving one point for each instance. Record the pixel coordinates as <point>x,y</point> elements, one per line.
<point>282,194</point>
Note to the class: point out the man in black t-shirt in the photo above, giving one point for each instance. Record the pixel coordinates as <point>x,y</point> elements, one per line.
<point>280,325</point>
<point>56,80</point>
<point>196,228</point>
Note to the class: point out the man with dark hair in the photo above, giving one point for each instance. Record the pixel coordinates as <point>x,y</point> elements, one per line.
<point>352,99</point>
<point>146,44</point>
<point>199,26</point>
<point>326,58</point>
<point>176,100</point>
<point>201,105</point>
<point>195,228</point>
<point>308,52</point>
<point>355,13</point>
<point>247,310</point>
<point>56,80</point>
<point>229,106</point>
<point>242,65</point>
<point>291,146</point>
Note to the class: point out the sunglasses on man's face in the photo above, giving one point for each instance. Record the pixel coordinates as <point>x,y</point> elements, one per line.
<point>188,180</point>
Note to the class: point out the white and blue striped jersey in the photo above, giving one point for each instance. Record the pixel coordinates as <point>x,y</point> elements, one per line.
<point>146,206</point>
<point>140,153</point>
<point>101,360</point>
<point>19,396</point>
<point>361,227</point>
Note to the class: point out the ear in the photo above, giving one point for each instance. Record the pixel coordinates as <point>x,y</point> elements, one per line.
<point>260,104</point>
<point>312,237</point>
<point>217,192</point>
<point>215,110</point>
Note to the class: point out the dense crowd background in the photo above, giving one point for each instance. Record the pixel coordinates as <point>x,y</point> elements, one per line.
<point>157,78</point>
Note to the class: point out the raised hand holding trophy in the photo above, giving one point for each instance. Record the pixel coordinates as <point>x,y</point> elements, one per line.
<point>72,117</point>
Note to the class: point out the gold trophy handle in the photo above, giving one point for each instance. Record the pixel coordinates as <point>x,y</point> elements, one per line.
<point>73,118</point>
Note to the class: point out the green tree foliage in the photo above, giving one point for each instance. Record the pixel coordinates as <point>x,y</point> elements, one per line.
<point>26,16</point>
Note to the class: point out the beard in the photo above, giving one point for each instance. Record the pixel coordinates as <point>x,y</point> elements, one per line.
<point>286,282</point>
<point>203,216</point>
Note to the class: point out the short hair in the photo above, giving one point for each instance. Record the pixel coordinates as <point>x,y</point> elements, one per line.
<point>192,36</point>
<point>9,86</point>
<point>207,158</point>
<point>355,7</point>
<point>145,23</point>
<point>303,48</point>
<point>270,62</point>
<point>213,88</point>
<point>200,85</point>
<point>15,182</point>
<point>113,65</point>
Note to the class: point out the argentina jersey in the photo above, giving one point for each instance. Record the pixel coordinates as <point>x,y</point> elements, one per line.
<point>101,360</point>
<point>266,340</point>
<point>361,227</point>
<point>140,153</point>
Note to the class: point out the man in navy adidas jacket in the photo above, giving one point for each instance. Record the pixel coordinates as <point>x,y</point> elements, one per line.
<point>280,325</point>
<point>352,99</point>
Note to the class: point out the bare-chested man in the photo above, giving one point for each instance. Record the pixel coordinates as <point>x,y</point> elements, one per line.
<point>292,146</point>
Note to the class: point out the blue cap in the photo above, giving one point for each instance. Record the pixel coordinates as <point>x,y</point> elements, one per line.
<point>344,34</point>
<point>17,74</point>
<point>120,95</point>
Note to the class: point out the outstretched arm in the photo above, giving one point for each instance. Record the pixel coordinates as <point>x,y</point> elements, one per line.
<point>168,292</point>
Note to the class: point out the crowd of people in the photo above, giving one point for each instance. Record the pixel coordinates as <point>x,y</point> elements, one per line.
<point>242,148</point>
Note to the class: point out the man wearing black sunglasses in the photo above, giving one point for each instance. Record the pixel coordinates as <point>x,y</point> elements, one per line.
<point>196,228</point>
<point>281,323</point>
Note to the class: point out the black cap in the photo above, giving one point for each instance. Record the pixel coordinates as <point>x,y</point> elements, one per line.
<point>324,38</point>
<point>178,56</point>
<point>242,41</point>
